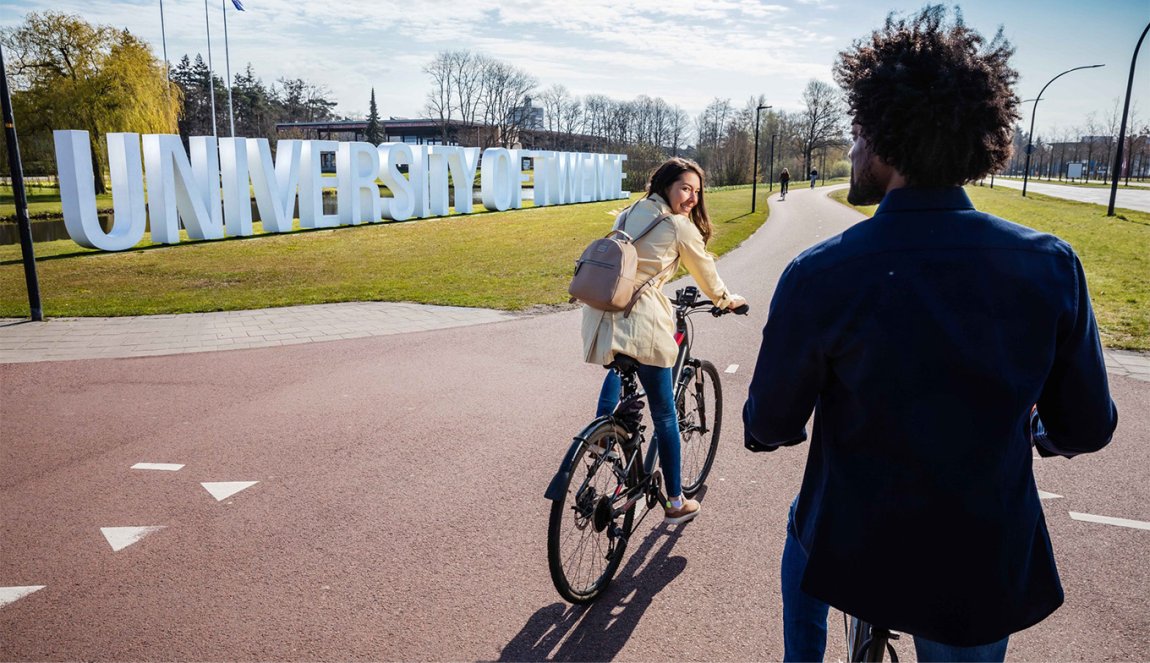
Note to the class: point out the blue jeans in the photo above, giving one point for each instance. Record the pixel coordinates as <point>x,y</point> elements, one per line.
<point>805,617</point>
<point>660,388</point>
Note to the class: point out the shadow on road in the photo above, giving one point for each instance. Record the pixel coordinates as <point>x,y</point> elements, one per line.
<point>562,632</point>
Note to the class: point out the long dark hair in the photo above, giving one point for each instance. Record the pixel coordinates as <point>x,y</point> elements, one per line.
<point>667,174</point>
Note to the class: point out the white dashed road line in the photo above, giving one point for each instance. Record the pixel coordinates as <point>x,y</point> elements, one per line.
<point>122,537</point>
<point>732,368</point>
<point>222,490</point>
<point>1043,495</point>
<point>1107,520</point>
<point>10,594</point>
<point>166,467</point>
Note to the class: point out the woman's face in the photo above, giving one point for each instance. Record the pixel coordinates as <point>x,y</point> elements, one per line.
<point>684,193</point>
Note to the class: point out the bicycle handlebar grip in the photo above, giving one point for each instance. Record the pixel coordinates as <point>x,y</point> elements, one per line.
<point>739,310</point>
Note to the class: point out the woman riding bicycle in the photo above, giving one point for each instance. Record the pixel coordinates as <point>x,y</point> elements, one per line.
<point>647,334</point>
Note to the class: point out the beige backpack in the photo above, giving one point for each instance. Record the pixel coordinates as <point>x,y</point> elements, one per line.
<point>606,274</point>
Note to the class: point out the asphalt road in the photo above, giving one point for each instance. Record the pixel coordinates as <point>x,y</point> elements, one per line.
<point>398,513</point>
<point>1136,199</point>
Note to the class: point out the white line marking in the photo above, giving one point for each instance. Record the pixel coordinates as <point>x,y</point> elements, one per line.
<point>10,594</point>
<point>122,537</point>
<point>1043,495</point>
<point>732,368</point>
<point>222,490</point>
<point>166,467</point>
<point>1107,520</point>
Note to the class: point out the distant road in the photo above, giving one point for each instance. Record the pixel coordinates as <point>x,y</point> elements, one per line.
<point>1126,198</point>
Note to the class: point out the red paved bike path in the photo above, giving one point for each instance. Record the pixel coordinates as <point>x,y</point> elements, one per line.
<point>399,511</point>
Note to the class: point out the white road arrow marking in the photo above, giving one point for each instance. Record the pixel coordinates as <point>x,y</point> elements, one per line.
<point>1043,495</point>
<point>10,594</point>
<point>222,490</point>
<point>1107,520</point>
<point>732,368</point>
<point>166,467</point>
<point>122,537</point>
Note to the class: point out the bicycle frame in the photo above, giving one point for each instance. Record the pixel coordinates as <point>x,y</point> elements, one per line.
<point>682,372</point>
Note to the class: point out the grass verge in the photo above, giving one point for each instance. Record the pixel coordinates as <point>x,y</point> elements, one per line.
<point>506,260</point>
<point>1112,249</point>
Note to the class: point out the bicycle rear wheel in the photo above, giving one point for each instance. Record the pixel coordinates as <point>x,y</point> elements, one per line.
<point>700,419</point>
<point>584,542</point>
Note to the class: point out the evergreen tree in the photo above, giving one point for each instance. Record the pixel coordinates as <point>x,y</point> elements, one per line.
<point>254,107</point>
<point>374,132</point>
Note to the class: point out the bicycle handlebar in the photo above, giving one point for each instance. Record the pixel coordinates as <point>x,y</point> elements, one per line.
<point>714,310</point>
<point>688,300</point>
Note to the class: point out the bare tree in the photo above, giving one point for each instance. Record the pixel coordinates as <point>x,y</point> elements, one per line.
<point>439,100</point>
<point>505,90</point>
<point>1134,140</point>
<point>554,99</point>
<point>1113,123</point>
<point>678,124</point>
<point>822,119</point>
<point>1090,133</point>
<point>468,69</point>
<point>571,119</point>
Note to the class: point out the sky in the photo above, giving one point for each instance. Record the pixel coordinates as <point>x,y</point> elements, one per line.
<point>687,52</point>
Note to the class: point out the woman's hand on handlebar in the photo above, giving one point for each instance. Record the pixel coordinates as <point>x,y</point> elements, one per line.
<point>737,305</point>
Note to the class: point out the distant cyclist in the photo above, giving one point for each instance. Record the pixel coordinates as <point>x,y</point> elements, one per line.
<point>648,333</point>
<point>784,183</point>
<point>921,338</point>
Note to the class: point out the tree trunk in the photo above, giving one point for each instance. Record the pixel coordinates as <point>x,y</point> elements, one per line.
<point>97,168</point>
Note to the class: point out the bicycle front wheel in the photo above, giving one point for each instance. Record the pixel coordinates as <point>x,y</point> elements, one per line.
<point>585,539</point>
<point>700,419</point>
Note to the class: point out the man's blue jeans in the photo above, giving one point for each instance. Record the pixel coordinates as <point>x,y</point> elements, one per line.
<point>805,617</point>
<point>660,388</point>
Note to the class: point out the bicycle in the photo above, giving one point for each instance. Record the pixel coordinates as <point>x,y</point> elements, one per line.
<point>866,643</point>
<point>605,473</point>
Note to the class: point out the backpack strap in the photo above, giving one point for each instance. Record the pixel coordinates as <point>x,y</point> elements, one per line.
<point>648,282</point>
<point>638,291</point>
<point>651,226</point>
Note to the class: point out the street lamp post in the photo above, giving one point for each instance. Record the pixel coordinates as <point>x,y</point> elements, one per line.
<point>1030,137</point>
<point>1122,131</point>
<point>755,170</point>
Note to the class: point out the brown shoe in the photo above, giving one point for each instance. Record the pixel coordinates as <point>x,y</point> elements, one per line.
<point>685,513</point>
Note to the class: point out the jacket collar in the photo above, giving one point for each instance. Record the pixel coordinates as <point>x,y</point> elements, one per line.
<point>659,202</point>
<point>907,199</point>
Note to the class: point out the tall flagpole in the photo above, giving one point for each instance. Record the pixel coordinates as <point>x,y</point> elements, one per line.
<point>211,72</point>
<point>164,41</point>
<point>228,68</point>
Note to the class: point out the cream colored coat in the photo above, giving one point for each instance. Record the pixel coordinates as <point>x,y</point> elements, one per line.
<point>648,334</point>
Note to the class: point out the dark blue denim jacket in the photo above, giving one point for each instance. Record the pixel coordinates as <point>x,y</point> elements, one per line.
<point>921,338</point>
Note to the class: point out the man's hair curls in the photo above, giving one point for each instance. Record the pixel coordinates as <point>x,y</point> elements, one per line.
<point>934,101</point>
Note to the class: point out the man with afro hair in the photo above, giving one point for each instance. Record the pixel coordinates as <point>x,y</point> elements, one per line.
<point>922,339</point>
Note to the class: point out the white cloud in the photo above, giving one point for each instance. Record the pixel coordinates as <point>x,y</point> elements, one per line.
<point>686,51</point>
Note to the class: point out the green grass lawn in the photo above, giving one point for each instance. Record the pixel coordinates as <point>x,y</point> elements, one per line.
<point>506,260</point>
<point>43,202</point>
<point>1112,249</point>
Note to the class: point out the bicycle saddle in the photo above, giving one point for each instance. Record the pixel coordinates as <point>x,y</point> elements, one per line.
<point>624,364</point>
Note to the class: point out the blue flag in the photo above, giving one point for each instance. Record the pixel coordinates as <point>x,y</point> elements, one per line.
<point>239,5</point>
